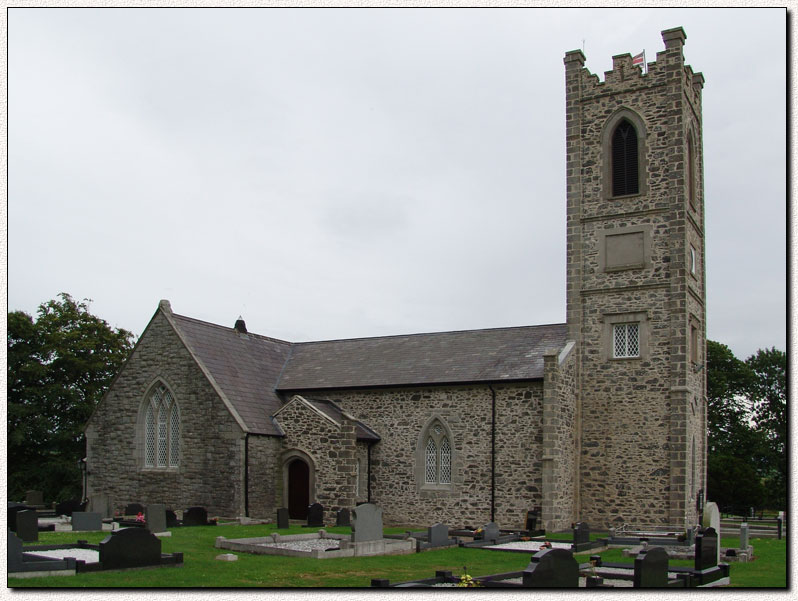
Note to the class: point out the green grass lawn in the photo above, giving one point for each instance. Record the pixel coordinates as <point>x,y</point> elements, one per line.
<point>200,569</point>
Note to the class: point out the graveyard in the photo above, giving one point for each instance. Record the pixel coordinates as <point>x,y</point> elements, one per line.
<point>167,550</point>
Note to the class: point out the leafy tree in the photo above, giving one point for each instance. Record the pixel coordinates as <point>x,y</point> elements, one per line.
<point>768,391</point>
<point>734,484</point>
<point>59,366</point>
<point>729,409</point>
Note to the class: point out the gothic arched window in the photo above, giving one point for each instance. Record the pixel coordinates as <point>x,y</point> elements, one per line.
<point>625,175</point>
<point>161,430</point>
<point>437,456</point>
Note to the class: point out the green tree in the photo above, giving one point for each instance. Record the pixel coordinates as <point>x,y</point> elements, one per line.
<point>59,366</point>
<point>734,484</point>
<point>768,392</point>
<point>729,409</point>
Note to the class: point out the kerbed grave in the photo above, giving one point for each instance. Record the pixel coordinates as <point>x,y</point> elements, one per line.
<point>366,539</point>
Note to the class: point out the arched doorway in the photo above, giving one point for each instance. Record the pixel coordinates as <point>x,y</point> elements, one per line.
<point>298,489</point>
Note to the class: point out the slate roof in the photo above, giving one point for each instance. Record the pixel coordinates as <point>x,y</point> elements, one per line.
<point>362,431</point>
<point>252,370</point>
<point>501,354</point>
<point>244,366</point>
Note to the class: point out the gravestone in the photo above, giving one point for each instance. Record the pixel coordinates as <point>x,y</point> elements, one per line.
<point>651,568</point>
<point>581,536</point>
<point>134,509</point>
<point>34,497</point>
<point>86,520</point>
<point>490,531</point>
<point>343,518</point>
<point>552,568</point>
<point>13,510</point>
<point>282,518</point>
<point>195,516</point>
<point>744,536</point>
<point>101,504</point>
<point>438,535</point>
<point>315,515</point>
<point>130,548</point>
<point>171,519</point>
<point>712,520</point>
<point>155,517</point>
<point>366,523</point>
<point>531,520</point>
<point>14,552</point>
<point>707,549</point>
<point>69,507</point>
<point>28,525</point>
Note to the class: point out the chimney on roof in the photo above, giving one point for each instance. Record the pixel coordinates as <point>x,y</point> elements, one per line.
<point>240,326</point>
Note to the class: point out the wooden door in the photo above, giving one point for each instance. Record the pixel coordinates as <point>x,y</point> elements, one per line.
<point>298,489</point>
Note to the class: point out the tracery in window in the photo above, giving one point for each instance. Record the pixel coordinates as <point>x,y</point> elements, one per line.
<point>437,456</point>
<point>161,430</point>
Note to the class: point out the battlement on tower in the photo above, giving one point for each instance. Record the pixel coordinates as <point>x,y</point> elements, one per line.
<point>626,77</point>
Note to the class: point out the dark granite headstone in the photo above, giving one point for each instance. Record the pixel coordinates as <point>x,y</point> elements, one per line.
<point>531,520</point>
<point>651,568</point>
<point>706,549</point>
<point>86,520</point>
<point>134,509</point>
<point>438,535</point>
<point>490,531</point>
<point>69,507</point>
<point>366,523</point>
<point>581,533</point>
<point>195,516</point>
<point>552,568</point>
<point>171,519</point>
<point>13,510</point>
<point>155,517</point>
<point>14,552</point>
<point>282,518</point>
<point>342,518</point>
<point>130,548</point>
<point>315,515</point>
<point>34,497</point>
<point>28,525</point>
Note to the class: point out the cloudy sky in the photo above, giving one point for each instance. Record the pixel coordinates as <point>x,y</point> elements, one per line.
<point>330,173</point>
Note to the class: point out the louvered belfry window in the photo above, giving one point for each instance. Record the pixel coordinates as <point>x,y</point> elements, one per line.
<point>625,178</point>
<point>162,430</point>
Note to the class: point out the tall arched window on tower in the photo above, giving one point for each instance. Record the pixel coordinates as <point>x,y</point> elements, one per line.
<point>161,430</point>
<point>625,175</point>
<point>690,170</point>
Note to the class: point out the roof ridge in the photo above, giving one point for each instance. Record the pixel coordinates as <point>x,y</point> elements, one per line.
<point>545,325</point>
<point>216,325</point>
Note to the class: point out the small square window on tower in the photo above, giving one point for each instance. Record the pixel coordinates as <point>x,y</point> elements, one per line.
<point>626,340</point>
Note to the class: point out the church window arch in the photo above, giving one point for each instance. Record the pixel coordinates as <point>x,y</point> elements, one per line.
<point>624,154</point>
<point>161,429</point>
<point>436,455</point>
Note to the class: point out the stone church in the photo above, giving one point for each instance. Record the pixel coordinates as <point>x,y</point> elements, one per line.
<point>599,419</point>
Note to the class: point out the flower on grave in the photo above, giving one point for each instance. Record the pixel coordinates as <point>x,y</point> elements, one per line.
<point>140,517</point>
<point>466,581</point>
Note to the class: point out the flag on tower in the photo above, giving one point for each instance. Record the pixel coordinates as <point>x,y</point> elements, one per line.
<point>640,59</point>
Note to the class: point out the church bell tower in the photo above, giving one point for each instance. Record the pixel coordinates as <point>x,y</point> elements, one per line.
<point>636,287</point>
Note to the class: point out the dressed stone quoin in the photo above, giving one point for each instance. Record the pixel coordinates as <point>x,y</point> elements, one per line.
<point>601,419</point>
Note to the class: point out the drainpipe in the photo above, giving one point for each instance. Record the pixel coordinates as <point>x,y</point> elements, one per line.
<point>246,474</point>
<point>492,453</point>
<point>368,473</point>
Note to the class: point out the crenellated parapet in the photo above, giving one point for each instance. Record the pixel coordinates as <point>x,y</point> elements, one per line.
<point>627,77</point>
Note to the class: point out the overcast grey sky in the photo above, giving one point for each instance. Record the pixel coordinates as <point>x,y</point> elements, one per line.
<point>330,173</point>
